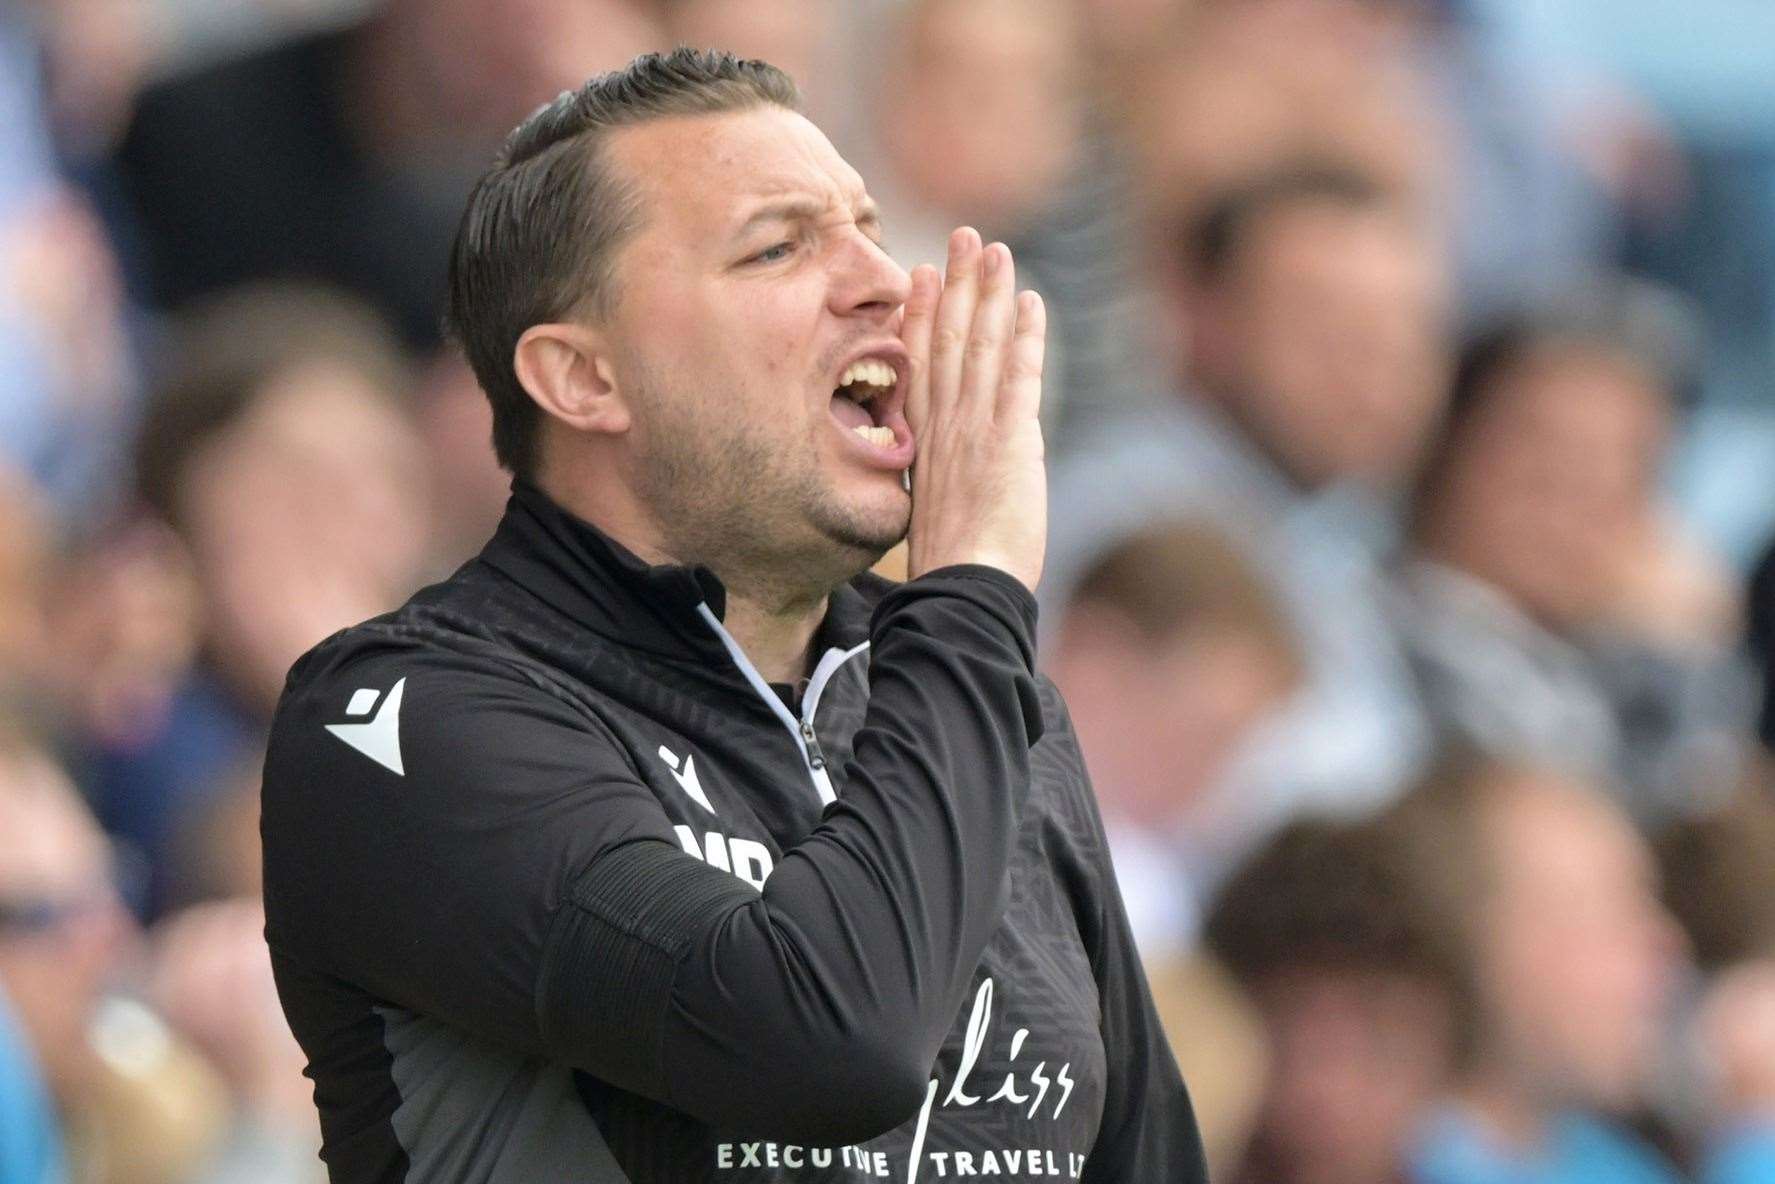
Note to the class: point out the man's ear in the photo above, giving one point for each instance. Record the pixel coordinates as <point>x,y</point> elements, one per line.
<point>567,369</point>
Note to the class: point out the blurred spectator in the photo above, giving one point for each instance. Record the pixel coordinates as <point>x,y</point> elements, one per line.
<point>97,54</point>
<point>346,156</point>
<point>63,926</point>
<point>1312,309</point>
<point>799,37</point>
<point>135,1104</point>
<point>210,975</point>
<point>1574,960</point>
<point>469,489</point>
<point>68,417</point>
<point>216,856</point>
<point>1170,650</point>
<point>976,112</point>
<point>1554,610</point>
<point>25,549</point>
<point>65,369</point>
<point>1545,164</point>
<point>1719,878</point>
<point>1364,983</point>
<point>1243,88</point>
<point>1121,35</point>
<point>30,1137</point>
<point>1218,1037</point>
<point>1703,67</point>
<point>279,450</point>
<point>122,620</point>
<point>1522,169</point>
<point>1314,312</point>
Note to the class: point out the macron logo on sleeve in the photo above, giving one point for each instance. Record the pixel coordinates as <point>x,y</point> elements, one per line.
<point>686,777</point>
<point>380,738</point>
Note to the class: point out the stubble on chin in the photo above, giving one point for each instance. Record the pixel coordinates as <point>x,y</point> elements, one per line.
<point>751,508</point>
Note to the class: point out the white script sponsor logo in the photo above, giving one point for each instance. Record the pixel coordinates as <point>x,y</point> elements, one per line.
<point>1035,1091</point>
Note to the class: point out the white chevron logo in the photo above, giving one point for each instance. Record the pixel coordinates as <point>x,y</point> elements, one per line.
<point>686,778</point>
<point>380,739</point>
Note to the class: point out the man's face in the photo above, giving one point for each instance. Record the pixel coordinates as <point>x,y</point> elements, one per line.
<point>1327,338</point>
<point>755,281</point>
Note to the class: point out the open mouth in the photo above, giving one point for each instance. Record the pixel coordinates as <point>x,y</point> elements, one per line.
<point>860,399</point>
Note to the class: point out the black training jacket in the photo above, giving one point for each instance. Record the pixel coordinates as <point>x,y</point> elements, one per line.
<point>558,889</point>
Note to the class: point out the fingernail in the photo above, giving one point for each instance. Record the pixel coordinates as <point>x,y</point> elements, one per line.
<point>991,265</point>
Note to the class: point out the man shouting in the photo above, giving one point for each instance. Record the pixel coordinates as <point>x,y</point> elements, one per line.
<point>661,843</point>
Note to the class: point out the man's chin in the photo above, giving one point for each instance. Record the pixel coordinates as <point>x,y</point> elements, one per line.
<point>869,531</point>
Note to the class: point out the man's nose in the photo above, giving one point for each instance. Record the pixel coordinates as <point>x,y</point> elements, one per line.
<point>869,281</point>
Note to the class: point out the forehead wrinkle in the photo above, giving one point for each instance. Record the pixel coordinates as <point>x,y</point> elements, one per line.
<point>714,161</point>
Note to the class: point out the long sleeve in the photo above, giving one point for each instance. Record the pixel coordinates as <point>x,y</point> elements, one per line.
<point>515,877</point>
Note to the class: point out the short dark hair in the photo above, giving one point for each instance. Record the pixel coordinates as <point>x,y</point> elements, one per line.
<point>1344,896</point>
<point>538,238</point>
<point>1333,892</point>
<point>1185,573</point>
<point>1210,240</point>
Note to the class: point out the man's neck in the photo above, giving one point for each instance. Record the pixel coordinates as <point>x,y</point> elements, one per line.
<point>773,626</point>
<point>778,639</point>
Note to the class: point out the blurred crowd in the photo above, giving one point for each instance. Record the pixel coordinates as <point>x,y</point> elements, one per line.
<point>1411,418</point>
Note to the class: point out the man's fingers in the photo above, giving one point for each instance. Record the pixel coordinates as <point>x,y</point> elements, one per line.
<point>1020,395</point>
<point>915,334</point>
<point>995,315</point>
<point>955,314</point>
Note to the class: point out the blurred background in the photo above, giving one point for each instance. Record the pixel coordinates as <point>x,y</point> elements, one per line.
<point>1412,425</point>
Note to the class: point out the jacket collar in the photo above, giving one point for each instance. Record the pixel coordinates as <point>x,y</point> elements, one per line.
<point>584,573</point>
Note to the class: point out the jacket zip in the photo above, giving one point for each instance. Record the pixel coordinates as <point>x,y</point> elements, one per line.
<point>806,739</point>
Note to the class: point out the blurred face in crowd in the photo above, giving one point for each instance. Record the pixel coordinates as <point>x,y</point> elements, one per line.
<point>755,280</point>
<point>1325,339</point>
<point>1554,482</point>
<point>61,923</point>
<point>305,516</point>
<point>1576,953</point>
<point>789,34</point>
<point>1158,722</point>
<point>485,66</point>
<point>455,421</point>
<point>1357,1054</point>
<point>982,116</point>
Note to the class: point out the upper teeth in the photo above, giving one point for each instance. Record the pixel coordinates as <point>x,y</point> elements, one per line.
<point>870,372</point>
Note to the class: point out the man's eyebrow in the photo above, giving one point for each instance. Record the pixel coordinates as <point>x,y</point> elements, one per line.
<point>802,208</point>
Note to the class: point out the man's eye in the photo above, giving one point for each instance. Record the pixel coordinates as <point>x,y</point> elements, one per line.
<point>773,254</point>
